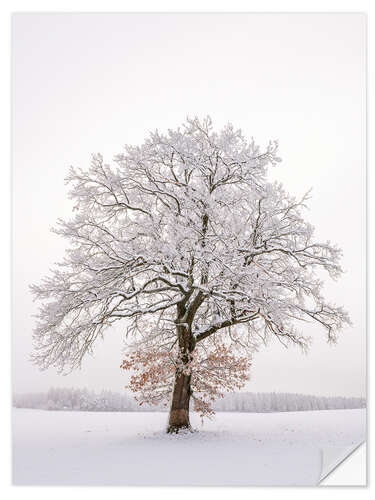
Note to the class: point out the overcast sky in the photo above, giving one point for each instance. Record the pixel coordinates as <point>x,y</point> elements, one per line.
<point>85,83</point>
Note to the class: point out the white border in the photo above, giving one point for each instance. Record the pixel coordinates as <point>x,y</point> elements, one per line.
<point>6,8</point>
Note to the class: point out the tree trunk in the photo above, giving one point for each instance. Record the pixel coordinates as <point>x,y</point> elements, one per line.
<point>179,412</point>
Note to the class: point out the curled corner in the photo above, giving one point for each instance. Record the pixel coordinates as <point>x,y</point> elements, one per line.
<point>333,456</point>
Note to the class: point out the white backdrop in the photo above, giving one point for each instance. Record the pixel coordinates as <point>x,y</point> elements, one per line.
<point>92,83</point>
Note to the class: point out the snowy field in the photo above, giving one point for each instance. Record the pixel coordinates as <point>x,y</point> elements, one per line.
<point>87,448</point>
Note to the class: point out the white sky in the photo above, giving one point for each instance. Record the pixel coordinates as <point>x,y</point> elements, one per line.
<point>91,83</point>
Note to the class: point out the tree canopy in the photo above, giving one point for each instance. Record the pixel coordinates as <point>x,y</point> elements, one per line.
<point>185,239</point>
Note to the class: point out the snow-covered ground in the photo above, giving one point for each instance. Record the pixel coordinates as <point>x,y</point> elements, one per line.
<point>84,448</point>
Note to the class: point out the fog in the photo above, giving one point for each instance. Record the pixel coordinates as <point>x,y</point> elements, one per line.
<point>85,83</point>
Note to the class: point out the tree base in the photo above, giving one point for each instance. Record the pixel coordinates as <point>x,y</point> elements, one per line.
<point>173,429</point>
<point>179,422</point>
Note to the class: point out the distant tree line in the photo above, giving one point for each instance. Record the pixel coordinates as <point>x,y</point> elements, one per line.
<point>76,399</point>
<point>260,402</point>
<point>257,402</point>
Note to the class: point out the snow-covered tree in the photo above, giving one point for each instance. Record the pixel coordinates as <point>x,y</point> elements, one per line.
<point>185,240</point>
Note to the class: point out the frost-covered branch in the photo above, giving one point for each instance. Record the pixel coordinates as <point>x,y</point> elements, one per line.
<point>185,240</point>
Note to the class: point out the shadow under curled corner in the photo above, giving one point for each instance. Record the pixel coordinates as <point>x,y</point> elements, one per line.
<point>343,465</point>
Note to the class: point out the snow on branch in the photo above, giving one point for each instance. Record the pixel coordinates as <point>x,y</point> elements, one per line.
<point>185,240</point>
